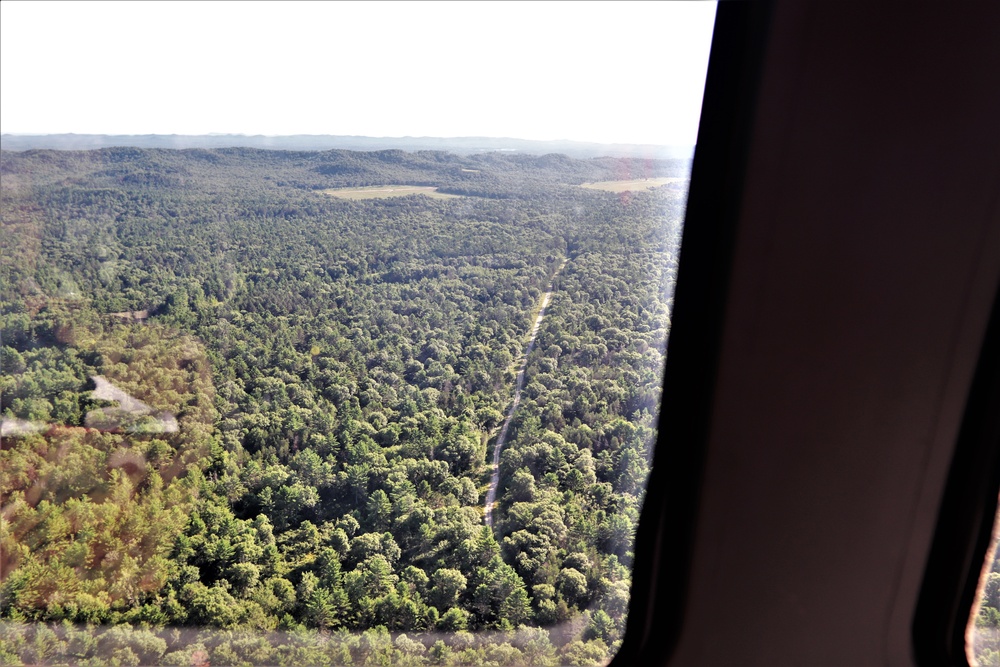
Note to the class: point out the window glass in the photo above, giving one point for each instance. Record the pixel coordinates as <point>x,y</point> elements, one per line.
<point>312,395</point>
<point>983,635</point>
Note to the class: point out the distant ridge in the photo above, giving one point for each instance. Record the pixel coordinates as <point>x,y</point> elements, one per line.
<point>321,142</point>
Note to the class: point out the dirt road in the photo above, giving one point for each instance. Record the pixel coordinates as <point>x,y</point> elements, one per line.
<point>491,493</point>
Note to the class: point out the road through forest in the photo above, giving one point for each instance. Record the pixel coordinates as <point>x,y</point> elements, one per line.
<point>491,493</point>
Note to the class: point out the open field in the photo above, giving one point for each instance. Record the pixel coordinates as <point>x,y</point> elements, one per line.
<point>633,185</point>
<point>383,191</point>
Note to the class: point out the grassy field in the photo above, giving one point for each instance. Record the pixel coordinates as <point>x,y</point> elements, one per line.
<point>633,185</point>
<point>383,191</point>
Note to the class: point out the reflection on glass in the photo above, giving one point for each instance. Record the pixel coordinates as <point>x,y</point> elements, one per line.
<point>983,634</point>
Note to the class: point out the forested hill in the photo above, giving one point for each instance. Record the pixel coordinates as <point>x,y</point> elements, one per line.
<point>249,390</point>
<point>484,175</point>
<point>319,142</point>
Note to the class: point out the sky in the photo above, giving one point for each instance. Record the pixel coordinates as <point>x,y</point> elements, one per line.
<point>615,72</point>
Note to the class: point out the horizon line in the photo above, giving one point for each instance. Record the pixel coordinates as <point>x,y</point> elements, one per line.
<point>351,136</point>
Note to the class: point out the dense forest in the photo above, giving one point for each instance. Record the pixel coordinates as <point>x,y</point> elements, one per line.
<point>246,421</point>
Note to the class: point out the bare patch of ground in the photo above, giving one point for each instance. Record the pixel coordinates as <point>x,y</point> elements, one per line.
<point>634,185</point>
<point>383,191</point>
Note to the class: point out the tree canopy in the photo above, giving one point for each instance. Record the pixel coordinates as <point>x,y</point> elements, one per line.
<point>236,405</point>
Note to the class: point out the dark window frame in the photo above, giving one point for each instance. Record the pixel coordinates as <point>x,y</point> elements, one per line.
<point>669,517</point>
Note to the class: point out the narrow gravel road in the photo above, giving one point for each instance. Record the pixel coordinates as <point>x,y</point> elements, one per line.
<point>491,494</point>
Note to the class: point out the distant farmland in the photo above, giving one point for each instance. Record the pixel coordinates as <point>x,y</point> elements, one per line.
<point>383,191</point>
<point>633,185</point>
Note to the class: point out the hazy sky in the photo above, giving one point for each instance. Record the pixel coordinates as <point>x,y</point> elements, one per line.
<point>588,71</point>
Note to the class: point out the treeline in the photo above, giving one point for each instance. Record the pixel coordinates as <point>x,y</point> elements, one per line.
<point>65,643</point>
<point>312,390</point>
<point>252,169</point>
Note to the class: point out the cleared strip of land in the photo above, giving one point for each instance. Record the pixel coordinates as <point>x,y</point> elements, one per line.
<point>633,185</point>
<point>383,191</point>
